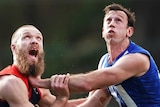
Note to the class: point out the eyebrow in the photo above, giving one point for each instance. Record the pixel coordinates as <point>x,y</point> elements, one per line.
<point>27,32</point>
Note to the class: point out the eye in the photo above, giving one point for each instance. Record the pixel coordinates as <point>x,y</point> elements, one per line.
<point>118,20</point>
<point>109,20</point>
<point>39,38</point>
<point>26,37</point>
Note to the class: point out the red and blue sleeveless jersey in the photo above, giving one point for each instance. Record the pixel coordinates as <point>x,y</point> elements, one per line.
<point>34,94</point>
<point>142,91</point>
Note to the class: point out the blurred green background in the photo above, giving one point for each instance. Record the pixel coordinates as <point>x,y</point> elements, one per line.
<point>72,31</point>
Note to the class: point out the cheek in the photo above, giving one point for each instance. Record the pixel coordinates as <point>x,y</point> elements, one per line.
<point>41,47</point>
<point>22,44</point>
<point>122,32</point>
<point>104,33</point>
<point>22,47</point>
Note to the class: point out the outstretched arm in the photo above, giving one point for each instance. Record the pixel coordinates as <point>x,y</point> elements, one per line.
<point>128,66</point>
<point>131,65</point>
<point>41,83</point>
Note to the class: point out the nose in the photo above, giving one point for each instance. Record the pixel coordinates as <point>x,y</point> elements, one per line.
<point>34,40</point>
<point>111,23</point>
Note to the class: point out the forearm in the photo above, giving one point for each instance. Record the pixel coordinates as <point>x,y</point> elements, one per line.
<point>74,86</point>
<point>60,102</point>
<point>78,82</point>
<point>87,82</point>
<point>100,98</point>
<point>75,102</point>
<point>41,83</point>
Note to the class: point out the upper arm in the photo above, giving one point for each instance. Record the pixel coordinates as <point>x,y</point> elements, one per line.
<point>130,65</point>
<point>14,91</point>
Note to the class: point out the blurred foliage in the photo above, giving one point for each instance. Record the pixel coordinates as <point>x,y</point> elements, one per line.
<point>72,30</point>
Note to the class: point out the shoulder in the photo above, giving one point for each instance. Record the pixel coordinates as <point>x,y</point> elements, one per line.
<point>10,79</point>
<point>137,63</point>
<point>136,56</point>
<point>11,85</point>
<point>129,65</point>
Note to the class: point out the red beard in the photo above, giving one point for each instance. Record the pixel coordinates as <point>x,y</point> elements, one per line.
<point>30,68</point>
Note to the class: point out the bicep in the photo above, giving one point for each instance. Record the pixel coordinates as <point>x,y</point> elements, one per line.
<point>131,65</point>
<point>128,66</point>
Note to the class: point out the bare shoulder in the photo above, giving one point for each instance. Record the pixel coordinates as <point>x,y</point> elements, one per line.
<point>13,86</point>
<point>139,59</point>
<point>136,57</point>
<point>137,63</point>
<point>6,82</point>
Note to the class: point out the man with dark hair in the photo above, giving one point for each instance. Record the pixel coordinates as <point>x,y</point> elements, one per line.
<point>126,72</point>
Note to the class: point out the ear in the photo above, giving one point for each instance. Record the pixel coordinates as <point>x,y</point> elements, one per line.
<point>102,29</point>
<point>130,31</point>
<point>102,32</point>
<point>13,47</point>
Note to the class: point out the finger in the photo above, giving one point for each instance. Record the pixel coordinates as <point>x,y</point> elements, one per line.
<point>53,81</point>
<point>61,79</point>
<point>66,79</point>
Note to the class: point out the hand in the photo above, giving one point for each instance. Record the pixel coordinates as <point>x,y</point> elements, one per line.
<point>59,86</point>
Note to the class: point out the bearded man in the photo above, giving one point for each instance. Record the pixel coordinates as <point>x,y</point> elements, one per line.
<point>28,60</point>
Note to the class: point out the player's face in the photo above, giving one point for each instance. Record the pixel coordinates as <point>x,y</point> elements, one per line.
<point>29,51</point>
<point>115,26</point>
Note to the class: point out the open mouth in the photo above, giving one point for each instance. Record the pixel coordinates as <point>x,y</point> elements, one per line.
<point>33,53</point>
<point>111,31</point>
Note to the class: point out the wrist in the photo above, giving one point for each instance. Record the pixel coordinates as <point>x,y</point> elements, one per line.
<point>61,101</point>
<point>62,98</point>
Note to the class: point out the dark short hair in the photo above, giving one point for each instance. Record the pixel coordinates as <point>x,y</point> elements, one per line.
<point>130,15</point>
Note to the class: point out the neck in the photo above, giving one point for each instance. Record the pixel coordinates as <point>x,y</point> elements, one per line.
<point>116,49</point>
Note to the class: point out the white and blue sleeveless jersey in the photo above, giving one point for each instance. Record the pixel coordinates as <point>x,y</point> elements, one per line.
<point>143,91</point>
